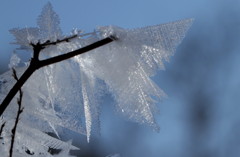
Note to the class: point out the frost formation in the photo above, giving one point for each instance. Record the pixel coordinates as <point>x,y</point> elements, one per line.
<point>66,95</point>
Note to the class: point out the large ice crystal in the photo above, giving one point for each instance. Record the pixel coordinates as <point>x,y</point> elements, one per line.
<point>66,95</point>
<point>48,23</point>
<point>128,64</point>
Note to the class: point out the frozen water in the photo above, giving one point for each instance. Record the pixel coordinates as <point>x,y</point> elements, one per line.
<point>25,36</point>
<point>48,29</point>
<point>127,65</point>
<point>67,94</point>
<point>48,23</point>
<point>32,140</point>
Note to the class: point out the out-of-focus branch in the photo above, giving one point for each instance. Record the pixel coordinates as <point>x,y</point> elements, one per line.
<point>20,110</point>
<point>1,129</point>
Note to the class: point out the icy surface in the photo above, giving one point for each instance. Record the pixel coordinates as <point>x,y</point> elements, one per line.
<point>66,95</point>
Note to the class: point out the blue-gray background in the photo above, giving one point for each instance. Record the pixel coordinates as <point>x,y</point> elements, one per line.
<point>200,117</point>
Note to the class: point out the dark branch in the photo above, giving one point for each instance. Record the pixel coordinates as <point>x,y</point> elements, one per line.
<point>76,52</point>
<point>40,46</point>
<point>1,129</point>
<point>67,39</point>
<point>16,87</point>
<point>48,42</point>
<point>36,64</point>
<point>20,110</point>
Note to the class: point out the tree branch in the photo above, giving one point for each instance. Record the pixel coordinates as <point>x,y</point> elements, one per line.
<point>36,64</point>
<point>40,46</point>
<point>48,43</point>
<point>76,52</point>
<point>20,110</point>
<point>1,129</point>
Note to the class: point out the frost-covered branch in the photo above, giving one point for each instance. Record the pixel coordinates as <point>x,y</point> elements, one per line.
<point>76,52</point>
<point>48,42</point>
<point>20,110</point>
<point>40,46</point>
<point>36,64</point>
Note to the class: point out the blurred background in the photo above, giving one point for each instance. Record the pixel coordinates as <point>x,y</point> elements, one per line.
<point>200,117</point>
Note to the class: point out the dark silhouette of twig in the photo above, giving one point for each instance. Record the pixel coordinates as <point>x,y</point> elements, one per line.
<point>1,129</point>
<point>20,110</point>
<point>48,42</point>
<point>35,63</point>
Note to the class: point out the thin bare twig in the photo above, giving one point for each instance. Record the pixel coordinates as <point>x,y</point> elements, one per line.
<point>1,129</point>
<point>20,110</point>
<point>48,42</point>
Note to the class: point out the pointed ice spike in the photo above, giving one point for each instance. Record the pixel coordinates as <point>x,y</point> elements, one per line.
<point>90,94</point>
<point>54,129</point>
<point>87,111</point>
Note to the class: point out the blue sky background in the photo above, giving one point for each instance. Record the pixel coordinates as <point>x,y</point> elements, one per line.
<point>200,117</point>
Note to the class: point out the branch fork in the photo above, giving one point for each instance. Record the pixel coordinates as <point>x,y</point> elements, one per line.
<point>35,63</point>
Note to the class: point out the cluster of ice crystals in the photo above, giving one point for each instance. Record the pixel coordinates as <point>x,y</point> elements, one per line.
<point>66,95</point>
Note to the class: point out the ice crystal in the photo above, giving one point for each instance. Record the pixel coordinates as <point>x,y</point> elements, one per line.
<point>25,36</point>
<point>48,29</point>
<point>128,64</point>
<point>48,23</point>
<point>66,95</point>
